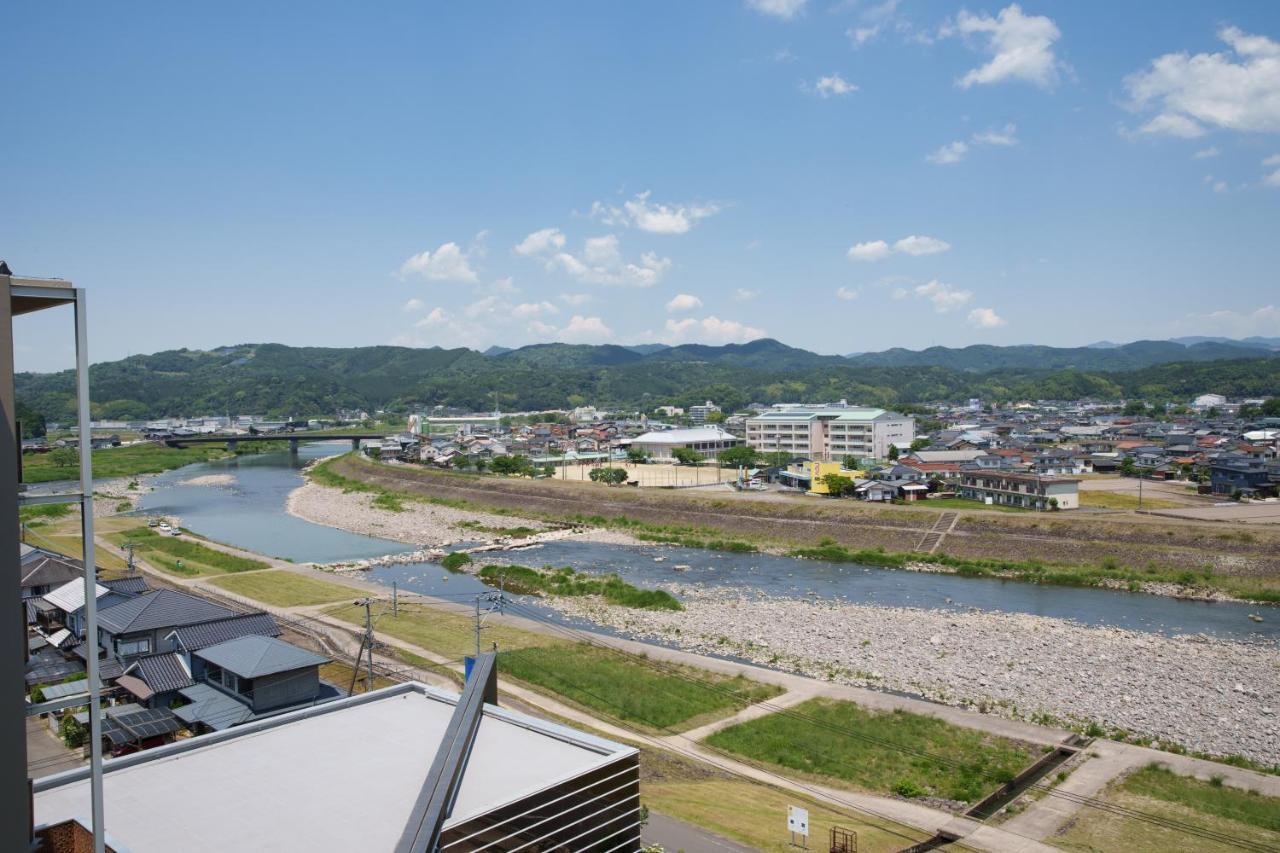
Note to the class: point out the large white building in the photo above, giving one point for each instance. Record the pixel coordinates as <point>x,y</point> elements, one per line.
<point>830,434</point>
<point>708,441</point>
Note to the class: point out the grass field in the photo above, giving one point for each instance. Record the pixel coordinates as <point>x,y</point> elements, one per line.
<point>1120,500</point>
<point>1245,815</point>
<point>182,556</point>
<point>284,589</point>
<point>119,462</point>
<point>975,763</point>
<point>339,675</point>
<point>749,812</point>
<point>628,689</point>
<point>63,537</point>
<point>439,631</point>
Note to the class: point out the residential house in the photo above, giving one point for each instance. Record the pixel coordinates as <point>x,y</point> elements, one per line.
<point>1245,475</point>
<point>143,625</point>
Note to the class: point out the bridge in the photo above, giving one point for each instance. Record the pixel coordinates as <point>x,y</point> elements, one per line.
<point>231,441</point>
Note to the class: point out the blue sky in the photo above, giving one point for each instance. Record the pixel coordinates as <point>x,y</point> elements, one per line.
<point>843,176</point>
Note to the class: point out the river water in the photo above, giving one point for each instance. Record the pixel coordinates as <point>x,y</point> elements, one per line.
<point>250,514</point>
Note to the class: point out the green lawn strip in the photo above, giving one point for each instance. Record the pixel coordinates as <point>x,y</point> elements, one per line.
<point>964,503</point>
<point>522,580</point>
<point>112,462</point>
<point>284,588</point>
<point>625,688</point>
<point>1211,798</point>
<point>1248,817</point>
<point>887,761</point>
<point>182,556</point>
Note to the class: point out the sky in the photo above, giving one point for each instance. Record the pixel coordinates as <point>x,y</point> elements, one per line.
<point>842,175</point>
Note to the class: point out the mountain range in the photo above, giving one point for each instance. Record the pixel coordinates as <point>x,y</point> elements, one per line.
<point>277,380</point>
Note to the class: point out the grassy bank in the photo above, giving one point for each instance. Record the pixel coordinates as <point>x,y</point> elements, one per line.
<point>119,462</point>
<point>522,580</point>
<point>1250,817</point>
<point>883,756</point>
<point>281,588</point>
<point>1120,500</point>
<point>751,813</point>
<point>182,556</point>
<point>625,688</point>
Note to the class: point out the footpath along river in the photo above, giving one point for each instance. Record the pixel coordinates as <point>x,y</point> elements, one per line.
<point>246,507</point>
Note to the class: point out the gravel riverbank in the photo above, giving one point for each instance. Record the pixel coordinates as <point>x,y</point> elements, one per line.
<point>423,524</point>
<point>1208,695</point>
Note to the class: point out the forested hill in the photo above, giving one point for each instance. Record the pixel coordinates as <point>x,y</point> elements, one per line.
<point>1132,356</point>
<point>279,380</point>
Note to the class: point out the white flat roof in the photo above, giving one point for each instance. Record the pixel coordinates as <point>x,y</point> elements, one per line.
<point>342,776</point>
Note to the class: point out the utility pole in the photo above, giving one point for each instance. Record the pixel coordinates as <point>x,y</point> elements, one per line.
<point>1139,489</point>
<point>368,644</point>
<point>395,600</point>
<point>492,597</point>
<point>130,567</point>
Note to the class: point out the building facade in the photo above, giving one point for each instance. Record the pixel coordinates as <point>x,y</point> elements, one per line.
<point>1030,491</point>
<point>708,441</point>
<point>830,434</point>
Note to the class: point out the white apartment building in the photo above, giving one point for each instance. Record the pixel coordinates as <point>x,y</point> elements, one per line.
<point>832,433</point>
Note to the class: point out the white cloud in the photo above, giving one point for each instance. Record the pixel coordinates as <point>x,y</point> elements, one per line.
<point>1273,160</point>
<point>435,317</point>
<point>711,330</point>
<point>653,217</point>
<point>526,310</point>
<point>914,244</point>
<point>546,240</point>
<point>1212,90</point>
<point>921,245</point>
<point>952,152</point>
<point>483,307</point>
<point>575,299</point>
<point>784,9</point>
<point>872,251</point>
<point>944,297</point>
<point>683,302</point>
<point>601,263</point>
<point>1205,153</point>
<point>832,86</point>
<point>447,263</point>
<point>585,330</point>
<point>1272,180</point>
<point>413,305</point>
<point>900,293</point>
<point>1008,135</point>
<point>861,35</point>
<point>1021,47</point>
<point>1221,187</point>
<point>985,318</point>
<point>1263,321</point>
<point>506,285</point>
<point>847,294</point>
<point>744,294</point>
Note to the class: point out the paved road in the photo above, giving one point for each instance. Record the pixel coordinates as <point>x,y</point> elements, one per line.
<point>676,835</point>
<point>45,753</point>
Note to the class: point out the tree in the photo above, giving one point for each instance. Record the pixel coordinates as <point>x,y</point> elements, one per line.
<point>919,444</point>
<point>548,470</point>
<point>608,476</point>
<point>462,463</point>
<point>850,463</point>
<point>64,457</point>
<point>1053,504</point>
<point>715,417</point>
<point>741,456</point>
<point>511,465</point>
<point>72,732</point>
<point>777,459</point>
<point>893,453</point>
<point>1128,467</point>
<point>837,484</point>
<point>637,455</point>
<point>686,456</point>
<point>480,464</point>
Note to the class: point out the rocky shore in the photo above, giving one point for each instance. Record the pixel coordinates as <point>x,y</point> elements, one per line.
<point>1204,694</point>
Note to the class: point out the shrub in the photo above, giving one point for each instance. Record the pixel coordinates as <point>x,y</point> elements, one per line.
<point>72,732</point>
<point>455,561</point>
<point>908,788</point>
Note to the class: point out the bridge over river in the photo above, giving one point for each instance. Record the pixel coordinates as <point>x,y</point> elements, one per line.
<point>231,441</point>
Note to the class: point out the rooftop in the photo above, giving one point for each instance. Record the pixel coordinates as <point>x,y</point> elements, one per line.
<point>70,596</point>
<point>253,656</point>
<point>163,608</point>
<point>681,436</point>
<point>285,782</point>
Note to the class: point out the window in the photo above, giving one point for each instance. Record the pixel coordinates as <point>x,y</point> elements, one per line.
<point>129,648</point>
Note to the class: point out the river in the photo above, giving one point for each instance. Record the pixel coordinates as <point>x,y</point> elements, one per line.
<point>250,514</point>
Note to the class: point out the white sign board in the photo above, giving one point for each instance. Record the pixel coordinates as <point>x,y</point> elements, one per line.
<point>798,820</point>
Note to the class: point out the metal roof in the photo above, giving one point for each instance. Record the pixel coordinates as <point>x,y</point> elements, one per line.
<point>127,585</point>
<point>212,707</point>
<point>253,655</point>
<point>287,780</point>
<point>62,691</point>
<point>45,568</point>
<point>70,596</point>
<point>139,725</point>
<point>162,673</point>
<point>161,608</point>
<point>682,436</point>
<point>205,634</point>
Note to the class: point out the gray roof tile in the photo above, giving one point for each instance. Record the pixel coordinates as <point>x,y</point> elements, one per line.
<point>252,656</point>
<point>162,608</point>
<point>205,634</point>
